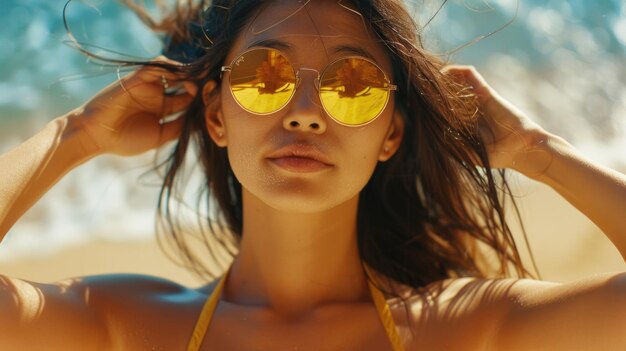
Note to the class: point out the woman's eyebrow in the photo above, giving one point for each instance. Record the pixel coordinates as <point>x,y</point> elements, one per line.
<point>285,46</point>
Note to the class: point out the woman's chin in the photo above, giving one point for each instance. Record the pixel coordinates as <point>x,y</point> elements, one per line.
<point>299,201</point>
<point>302,204</point>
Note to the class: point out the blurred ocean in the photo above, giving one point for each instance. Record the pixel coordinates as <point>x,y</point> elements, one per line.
<point>563,62</point>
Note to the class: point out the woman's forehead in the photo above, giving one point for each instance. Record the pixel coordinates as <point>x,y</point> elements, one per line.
<point>327,26</point>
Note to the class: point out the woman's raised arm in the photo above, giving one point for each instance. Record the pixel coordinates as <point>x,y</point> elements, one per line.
<point>589,314</point>
<point>597,191</point>
<point>516,142</point>
<point>123,119</point>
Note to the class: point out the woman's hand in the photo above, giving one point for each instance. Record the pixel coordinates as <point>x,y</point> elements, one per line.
<point>125,118</point>
<point>512,139</point>
<point>517,142</point>
<point>122,119</point>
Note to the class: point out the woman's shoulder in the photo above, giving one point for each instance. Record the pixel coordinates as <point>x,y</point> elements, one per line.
<point>455,313</point>
<point>143,307</point>
<point>475,313</point>
<point>127,285</point>
<point>142,293</point>
<point>451,292</point>
<point>138,309</point>
<point>125,310</point>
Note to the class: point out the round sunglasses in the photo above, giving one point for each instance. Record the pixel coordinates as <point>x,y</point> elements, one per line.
<point>353,90</point>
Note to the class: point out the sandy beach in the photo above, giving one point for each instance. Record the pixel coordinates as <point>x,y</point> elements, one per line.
<point>567,246</point>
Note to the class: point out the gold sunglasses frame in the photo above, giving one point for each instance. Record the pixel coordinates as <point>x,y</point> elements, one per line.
<point>390,87</point>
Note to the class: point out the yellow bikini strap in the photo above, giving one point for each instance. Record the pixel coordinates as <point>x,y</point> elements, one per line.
<point>205,316</point>
<point>209,307</point>
<point>385,316</point>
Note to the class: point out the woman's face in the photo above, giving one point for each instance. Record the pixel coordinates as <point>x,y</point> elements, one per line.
<point>311,36</point>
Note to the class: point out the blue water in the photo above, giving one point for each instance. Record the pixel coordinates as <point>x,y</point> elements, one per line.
<point>40,77</point>
<point>563,62</point>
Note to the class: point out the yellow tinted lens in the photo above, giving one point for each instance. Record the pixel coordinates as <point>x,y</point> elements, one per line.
<point>354,91</point>
<point>262,80</point>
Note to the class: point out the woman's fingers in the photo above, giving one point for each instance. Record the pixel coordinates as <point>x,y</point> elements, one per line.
<point>129,116</point>
<point>507,131</point>
<point>155,90</point>
<point>470,77</point>
<point>175,104</point>
<point>170,131</point>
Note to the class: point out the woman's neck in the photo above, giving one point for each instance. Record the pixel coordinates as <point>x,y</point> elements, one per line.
<point>293,262</point>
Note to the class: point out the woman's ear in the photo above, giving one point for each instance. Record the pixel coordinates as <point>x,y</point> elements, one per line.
<point>213,114</point>
<point>394,136</point>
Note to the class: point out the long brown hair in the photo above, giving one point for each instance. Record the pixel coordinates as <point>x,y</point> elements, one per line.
<point>435,210</point>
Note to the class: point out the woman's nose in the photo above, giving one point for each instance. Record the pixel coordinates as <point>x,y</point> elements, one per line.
<point>306,113</point>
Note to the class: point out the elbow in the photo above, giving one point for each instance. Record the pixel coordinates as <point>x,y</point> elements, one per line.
<point>20,302</point>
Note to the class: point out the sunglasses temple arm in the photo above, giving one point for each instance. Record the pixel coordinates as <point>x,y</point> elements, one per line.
<point>225,69</point>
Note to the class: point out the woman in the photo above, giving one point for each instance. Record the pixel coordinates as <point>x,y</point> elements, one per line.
<point>348,167</point>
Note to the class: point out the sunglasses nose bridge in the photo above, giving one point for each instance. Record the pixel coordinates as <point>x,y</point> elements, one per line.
<point>315,81</point>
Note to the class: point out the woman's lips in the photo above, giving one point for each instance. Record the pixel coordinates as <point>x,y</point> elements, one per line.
<point>299,164</point>
<point>300,158</point>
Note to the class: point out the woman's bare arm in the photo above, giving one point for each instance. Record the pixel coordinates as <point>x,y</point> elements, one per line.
<point>31,168</point>
<point>587,315</point>
<point>39,316</point>
<point>122,119</point>
<point>514,141</point>
<point>597,191</point>
<point>525,314</point>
